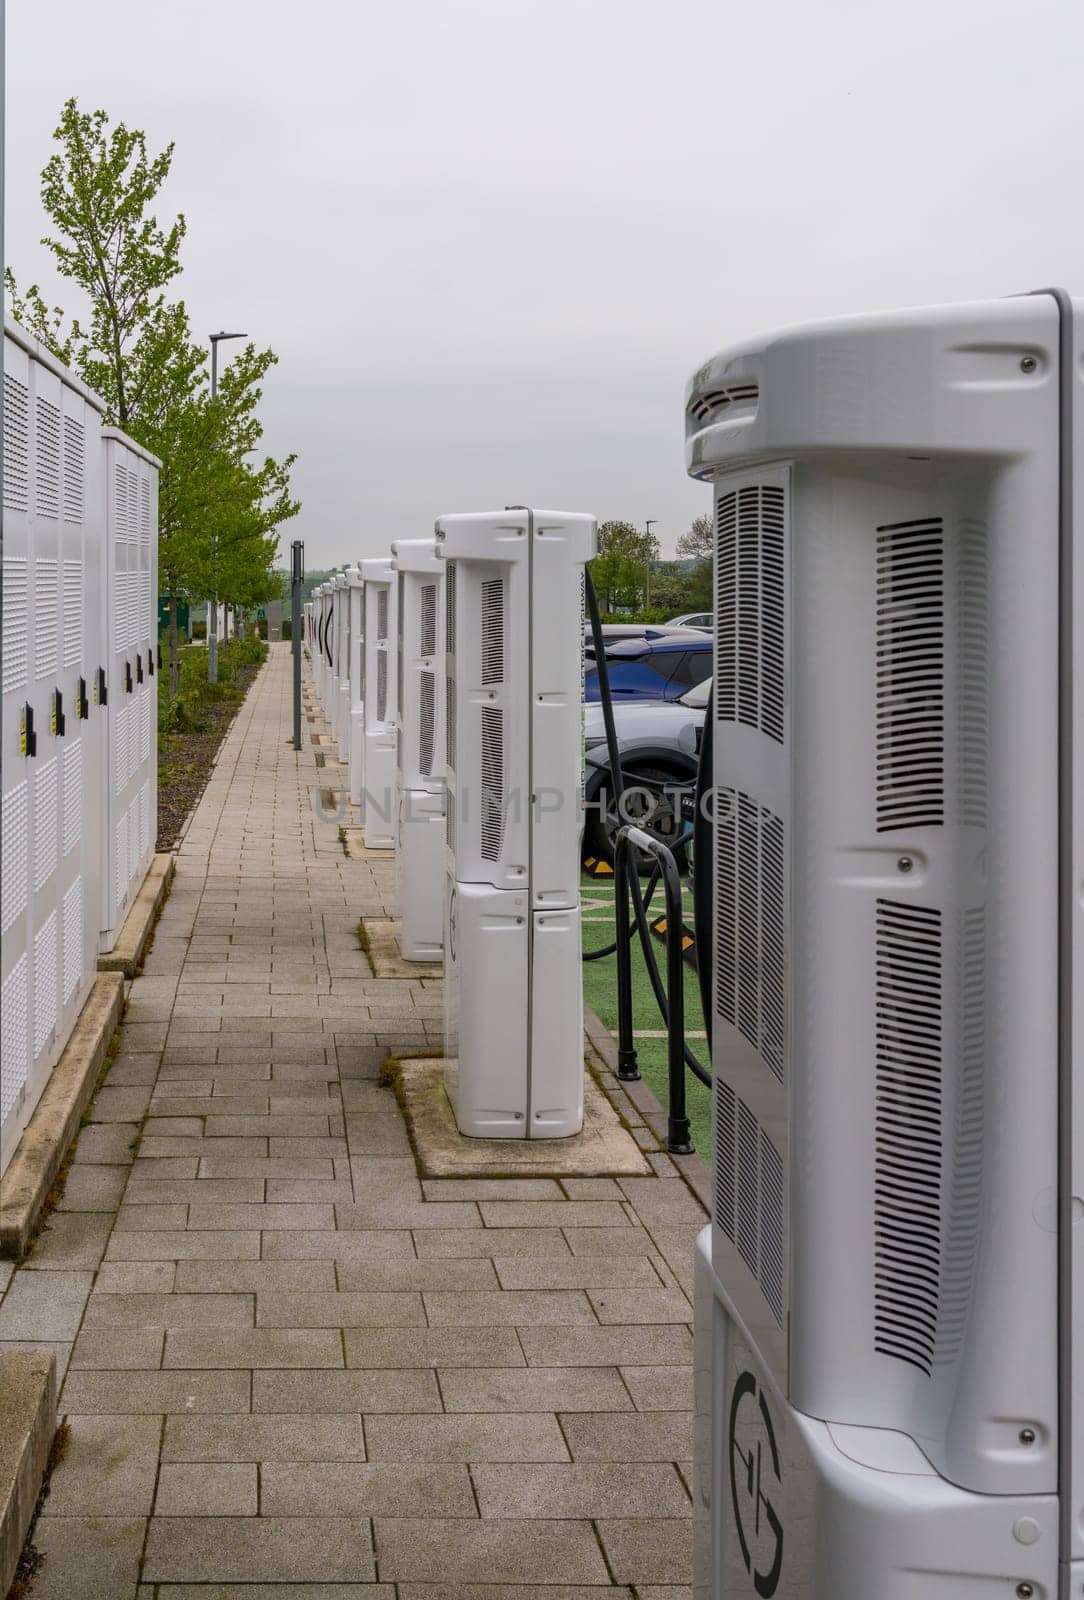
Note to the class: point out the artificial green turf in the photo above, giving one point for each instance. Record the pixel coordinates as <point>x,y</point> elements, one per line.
<point>600,993</point>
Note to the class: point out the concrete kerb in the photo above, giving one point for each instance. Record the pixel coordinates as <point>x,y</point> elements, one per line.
<point>28,1400</point>
<point>135,936</point>
<point>48,1135</point>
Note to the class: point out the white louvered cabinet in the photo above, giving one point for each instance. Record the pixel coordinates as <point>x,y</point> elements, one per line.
<point>53,734</point>
<point>131,579</point>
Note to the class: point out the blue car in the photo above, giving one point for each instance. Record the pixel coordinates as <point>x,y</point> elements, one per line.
<point>653,669</point>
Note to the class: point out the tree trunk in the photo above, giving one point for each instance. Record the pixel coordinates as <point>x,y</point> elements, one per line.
<point>174,657</point>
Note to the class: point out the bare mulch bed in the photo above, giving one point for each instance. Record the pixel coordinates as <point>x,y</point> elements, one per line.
<point>185,766</point>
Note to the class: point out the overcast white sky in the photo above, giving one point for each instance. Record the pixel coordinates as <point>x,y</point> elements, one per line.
<point>490,240</point>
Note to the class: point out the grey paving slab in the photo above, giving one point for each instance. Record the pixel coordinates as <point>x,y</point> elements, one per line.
<point>552,1214</point>
<point>375,1391</point>
<point>110,1462</point>
<point>211,1489</point>
<point>510,1437</point>
<point>434,1550</point>
<point>276,1218</point>
<point>252,1347</point>
<point>134,1393</point>
<point>286,1309</point>
<point>666,1346</point>
<point>627,1241</point>
<point>120,1104</point>
<point>258,1550</point>
<point>328,1245</point>
<point>265,1437</point>
<point>628,1306</point>
<point>94,1558</point>
<point>378,1489</point>
<point>502,1389</point>
<point>148,1188</point>
<point>660,1388</point>
<point>522,1308</point>
<point>150,1218</point>
<point>92,1188</point>
<point>169,1311</point>
<point>433,1347</point>
<point>70,1241</point>
<point>240,1277</point>
<point>441,1243</point>
<point>517,1591</point>
<point>470,1273</point>
<point>648,1550</point>
<point>119,1349</point>
<point>576,1272</point>
<point>44,1305</point>
<point>176,1246</point>
<point>111,1144</point>
<point>658,1436</point>
<point>580,1489</point>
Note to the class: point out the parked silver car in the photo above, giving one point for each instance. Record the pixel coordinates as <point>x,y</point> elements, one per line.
<point>702,621</point>
<point>659,743</point>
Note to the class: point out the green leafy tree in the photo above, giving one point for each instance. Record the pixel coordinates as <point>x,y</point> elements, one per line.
<point>136,350</point>
<point>696,543</point>
<point>619,570</point>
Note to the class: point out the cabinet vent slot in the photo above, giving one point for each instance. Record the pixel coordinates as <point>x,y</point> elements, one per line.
<point>910,675</point>
<point>908,1154</point>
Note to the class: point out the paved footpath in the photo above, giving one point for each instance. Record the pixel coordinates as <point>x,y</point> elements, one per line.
<point>292,1369</point>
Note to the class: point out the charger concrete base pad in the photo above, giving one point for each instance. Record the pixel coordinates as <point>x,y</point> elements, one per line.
<point>385,952</point>
<point>605,1148</point>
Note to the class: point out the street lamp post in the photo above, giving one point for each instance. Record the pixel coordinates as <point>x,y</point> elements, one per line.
<point>212,617</point>
<point>648,525</point>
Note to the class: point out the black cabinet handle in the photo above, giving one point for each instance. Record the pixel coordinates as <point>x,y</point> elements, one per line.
<point>29,739</point>
<point>82,704</point>
<point>139,668</point>
<point>102,691</point>
<point>127,677</point>
<point>58,714</point>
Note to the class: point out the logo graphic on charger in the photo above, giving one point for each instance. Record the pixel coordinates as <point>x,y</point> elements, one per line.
<point>755,1475</point>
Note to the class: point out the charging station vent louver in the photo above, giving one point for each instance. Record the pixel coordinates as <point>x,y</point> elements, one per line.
<point>749,1193</point>
<point>429,619</point>
<point>16,444</point>
<point>910,674</point>
<point>74,469</point>
<point>907,1195</point>
<point>492,786</point>
<point>493,632</point>
<point>381,684</point>
<point>749,636</point>
<point>724,404</point>
<point>427,693</point>
<point>47,473</point>
<point>750,963</point>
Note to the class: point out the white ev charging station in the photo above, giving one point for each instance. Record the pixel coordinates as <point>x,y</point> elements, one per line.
<point>513,979</point>
<point>356,678</point>
<point>891,1291</point>
<point>420,757</point>
<point>379,799</point>
<point>339,710</point>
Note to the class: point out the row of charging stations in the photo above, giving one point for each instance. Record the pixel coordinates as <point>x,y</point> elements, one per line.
<point>452,678</point>
<point>79,708</point>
